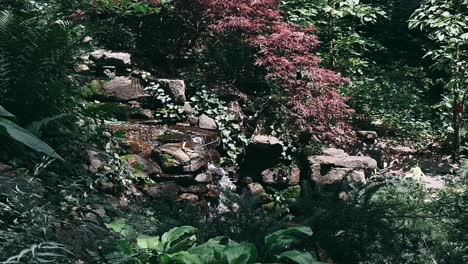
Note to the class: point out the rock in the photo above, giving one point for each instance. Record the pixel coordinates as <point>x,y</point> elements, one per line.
<point>97,160</point>
<point>357,177</point>
<point>81,238</point>
<point>193,120</point>
<point>4,167</point>
<point>110,58</point>
<point>255,187</point>
<point>188,109</point>
<point>142,114</point>
<point>161,190</point>
<point>143,166</point>
<point>123,89</point>
<point>275,176</point>
<point>198,189</point>
<point>295,176</point>
<point>367,135</point>
<point>187,196</point>
<point>204,177</point>
<point>264,141</point>
<point>334,152</point>
<point>331,170</point>
<point>185,156</point>
<point>262,152</point>
<point>81,68</point>
<point>176,89</point>
<point>206,122</point>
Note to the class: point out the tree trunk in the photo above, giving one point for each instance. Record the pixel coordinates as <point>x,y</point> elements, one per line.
<point>457,119</point>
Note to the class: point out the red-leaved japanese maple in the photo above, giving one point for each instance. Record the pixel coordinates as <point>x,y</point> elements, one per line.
<point>286,52</point>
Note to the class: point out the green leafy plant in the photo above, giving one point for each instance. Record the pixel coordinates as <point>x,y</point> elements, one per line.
<point>23,136</point>
<point>444,22</point>
<point>233,138</point>
<point>178,245</point>
<point>129,7</point>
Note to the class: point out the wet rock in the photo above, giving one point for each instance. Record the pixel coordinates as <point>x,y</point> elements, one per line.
<point>178,178</point>
<point>206,122</point>
<point>255,187</point>
<point>161,190</point>
<point>175,134</point>
<point>97,160</point>
<point>176,89</point>
<point>123,89</point>
<point>181,157</point>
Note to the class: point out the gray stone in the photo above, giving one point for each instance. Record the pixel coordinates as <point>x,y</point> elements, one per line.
<point>188,197</point>
<point>97,160</point>
<point>206,122</point>
<point>334,152</point>
<point>124,89</point>
<point>188,109</point>
<point>110,58</point>
<point>329,170</point>
<point>176,88</point>
<point>143,166</point>
<point>161,190</point>
<point>204,177</point>
<point>185,156</point>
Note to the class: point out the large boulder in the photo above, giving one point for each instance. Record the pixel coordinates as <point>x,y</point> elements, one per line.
<point>110,58</point>
<point>175,88</point>
<point>262,152</point>
<point>181,157</point>
<point>124,89</point>
<point>333,169</point>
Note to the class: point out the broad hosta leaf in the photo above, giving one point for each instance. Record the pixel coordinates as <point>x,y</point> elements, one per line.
<point>22,135</point>
<point>172,235</point>
<point>121,227</point>
<point>290,233</point>
<point>240,253</point>
<point>5,113</point>
<point>149,242</point>
<point>185,257</point>
<point>299,257</point>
